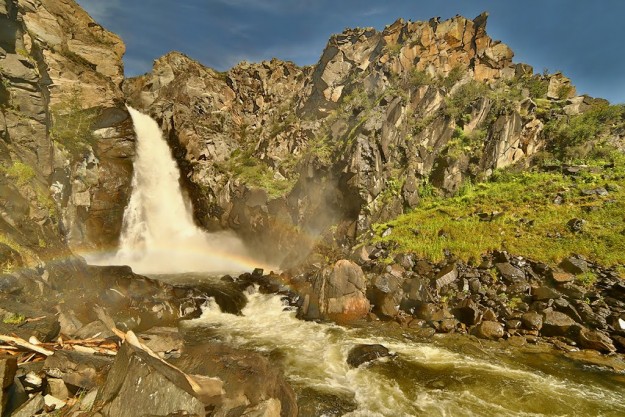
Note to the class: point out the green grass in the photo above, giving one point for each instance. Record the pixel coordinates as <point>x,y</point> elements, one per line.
<point>21,172</point>
<point>13,318</point>
<point>531,224</point>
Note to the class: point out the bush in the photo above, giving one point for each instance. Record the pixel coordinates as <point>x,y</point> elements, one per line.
<point>536,85</point>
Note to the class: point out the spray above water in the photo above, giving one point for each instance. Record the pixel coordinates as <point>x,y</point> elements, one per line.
<point>158,232</point>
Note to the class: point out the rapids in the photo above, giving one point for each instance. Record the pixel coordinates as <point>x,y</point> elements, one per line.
<point>439,378</point>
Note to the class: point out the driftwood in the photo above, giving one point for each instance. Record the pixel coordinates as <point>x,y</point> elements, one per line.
<point>27,345</point>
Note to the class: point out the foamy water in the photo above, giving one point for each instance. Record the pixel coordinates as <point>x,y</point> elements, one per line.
<point>158,232</point>
<point>424,379</point>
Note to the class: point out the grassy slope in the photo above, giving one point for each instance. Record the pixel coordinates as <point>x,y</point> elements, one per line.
<point>531,223</point>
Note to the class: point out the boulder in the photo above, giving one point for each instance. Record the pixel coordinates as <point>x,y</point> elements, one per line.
<point>8,368</point>
<point>488,330</point>
<point>545,293</point>
<point>556,323</point>
<point>596,340</point>
<point>467,312</point>
<point>318,402</point>
<point>360,354</point>
<point>151,387</point>
<point>532,320</point>
<point>385,294</point>
<point>337,293</point>
<point>509,272</point>
<point>574,265</point>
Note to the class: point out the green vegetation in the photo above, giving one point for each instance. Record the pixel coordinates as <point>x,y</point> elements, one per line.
<point>72,125</point>
<point>454,75</point>
<point>521,216</point>
<point>21,172</point>
<point>13,318</point>
<point>587,279</point>
<point>256,173</point>
<point>575,136</point>
<point>536,85</point>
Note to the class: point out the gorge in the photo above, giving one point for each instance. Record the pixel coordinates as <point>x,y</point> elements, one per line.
<point>414,225</point>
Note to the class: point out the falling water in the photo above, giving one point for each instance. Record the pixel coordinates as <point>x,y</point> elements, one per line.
<point>158,232</point>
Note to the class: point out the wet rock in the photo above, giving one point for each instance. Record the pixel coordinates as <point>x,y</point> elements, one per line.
<point>315,402</point>
<point>385,294</point>
<point>556,323</point>
<point>509,273</point>
<point>416,292</point>
<point>164,341</point>
<point>149,385</point>
<point>488,330</point>
<point>532,320</point>
<point>337,293</point>
<point>448,325</point>
<point>360,354</point>
<point>596,340</point>
<point>78,369</point>
<point>574,265</point>
<point>14,319</point>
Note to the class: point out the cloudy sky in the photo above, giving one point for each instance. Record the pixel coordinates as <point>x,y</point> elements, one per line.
<point>584,39</point>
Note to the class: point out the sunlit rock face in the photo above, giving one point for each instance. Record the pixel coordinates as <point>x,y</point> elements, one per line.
<point>64,117</point>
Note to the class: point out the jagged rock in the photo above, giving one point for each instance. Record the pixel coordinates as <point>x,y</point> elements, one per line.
<point>150,386</point>
<point>337,293</point>
<point>560,87</point>
<point>488,330</point>
<point>385,294</point>
<point>545,293</point>
<point>8,368</point>
<point>560,277</point>
<point>574,265</point>
<point>467,312</point>
<point>14,319</point>
<point>366,353</point>
<point>556,323</point>
<point>509,273</point>
<point>446,276</point>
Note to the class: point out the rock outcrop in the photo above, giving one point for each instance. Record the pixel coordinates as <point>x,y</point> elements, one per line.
<point>282,154</point>
<point>67,139</point>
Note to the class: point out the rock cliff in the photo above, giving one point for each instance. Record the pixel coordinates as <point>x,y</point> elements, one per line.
<point>279,152</point>
<point>67,140</point>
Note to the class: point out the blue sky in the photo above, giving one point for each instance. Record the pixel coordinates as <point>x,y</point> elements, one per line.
<point>584,39</point>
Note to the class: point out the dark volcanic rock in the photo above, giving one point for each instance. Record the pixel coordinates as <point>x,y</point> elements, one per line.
<point>366,353</point>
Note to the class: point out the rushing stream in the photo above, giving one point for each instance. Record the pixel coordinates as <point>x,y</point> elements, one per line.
<point>441,377</point>
<point>444,377</point>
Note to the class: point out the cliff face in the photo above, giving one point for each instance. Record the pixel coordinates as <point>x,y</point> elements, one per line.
<point>276,151</point>
<point>66,143</point>
<point>67,140</point>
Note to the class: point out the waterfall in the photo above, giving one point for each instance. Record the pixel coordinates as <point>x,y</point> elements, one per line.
<point>158,232</point>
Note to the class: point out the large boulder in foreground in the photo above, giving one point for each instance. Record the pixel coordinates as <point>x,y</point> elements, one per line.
<point>336,293</point>
<point>152,387</point>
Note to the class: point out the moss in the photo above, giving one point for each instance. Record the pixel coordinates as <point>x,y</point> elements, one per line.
<point>587,279</point>
<point>13,318</point>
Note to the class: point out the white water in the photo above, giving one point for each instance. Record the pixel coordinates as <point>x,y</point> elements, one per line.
<point>158,232</point>
<point>424,380</point>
